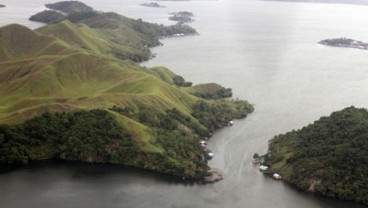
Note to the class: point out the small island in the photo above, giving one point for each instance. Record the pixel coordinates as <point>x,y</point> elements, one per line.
<point>344,43</point>
<point>152,4</point>
<point>1,5</point>
<point>181,17</point>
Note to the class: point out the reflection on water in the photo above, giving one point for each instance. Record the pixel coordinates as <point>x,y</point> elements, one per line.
<point>61,184</point>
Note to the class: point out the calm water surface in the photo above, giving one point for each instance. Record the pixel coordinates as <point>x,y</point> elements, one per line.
<point>267,53</point>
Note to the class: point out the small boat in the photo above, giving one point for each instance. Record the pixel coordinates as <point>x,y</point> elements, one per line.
<point>209,156</point>
<point>263,168</point>
<point>203,143</point>
<point>276,176</point>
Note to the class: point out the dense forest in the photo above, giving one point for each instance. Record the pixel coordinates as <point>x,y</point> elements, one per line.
<point>96,137</point>
<point>328,157</point>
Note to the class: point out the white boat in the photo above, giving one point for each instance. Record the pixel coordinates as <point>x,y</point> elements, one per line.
<point>276,176</point>
<point>263,168</point>
<point>210,156</point>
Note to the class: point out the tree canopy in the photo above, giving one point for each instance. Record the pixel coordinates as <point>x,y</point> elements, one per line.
<point>328,157</point>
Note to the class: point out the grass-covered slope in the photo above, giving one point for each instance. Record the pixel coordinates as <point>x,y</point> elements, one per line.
<point>96,41</point>
<point>18,42</point>
<point>40,69</point>
<point>328,157</point>
<point>143,119</point>
<point>127,29</point>
<point>124,38</point>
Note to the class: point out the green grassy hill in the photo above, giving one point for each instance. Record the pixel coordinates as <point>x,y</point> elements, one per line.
<point>328,157</point>
<point>18,42</point>
<point>117,35</point>
<point>68,72</point>
<point>143,119</point>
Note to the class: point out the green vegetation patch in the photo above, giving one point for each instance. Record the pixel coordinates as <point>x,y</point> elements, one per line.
<point>96,137</point>
<point>328,157</point>
<point>210,91</point>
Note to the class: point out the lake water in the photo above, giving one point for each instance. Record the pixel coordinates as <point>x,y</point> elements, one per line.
<point>267,52</point>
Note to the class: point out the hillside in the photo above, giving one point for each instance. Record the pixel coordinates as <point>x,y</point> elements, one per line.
<point>128,38</point>
<point>328,157</point>
<point>46,69</point>
<point>66,96</point>
<point>96,41</point>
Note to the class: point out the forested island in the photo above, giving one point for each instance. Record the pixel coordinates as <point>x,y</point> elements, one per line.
<point>345,43</point>
<point>2,5</point>
<point>328,158</point>
<point>73,91</point>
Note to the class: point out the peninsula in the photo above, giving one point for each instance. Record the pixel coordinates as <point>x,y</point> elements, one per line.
<point>73,91</point>
<point>77,12</point>
<point>328,158</point>
<point>345,43</point>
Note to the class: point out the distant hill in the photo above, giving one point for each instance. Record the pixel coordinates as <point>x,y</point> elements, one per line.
<point>152,4</point>
<point>48,16</point>
<point>69,7</point>
<point>66,94</point>
<point>123,37</point>
<point>328,157</point>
